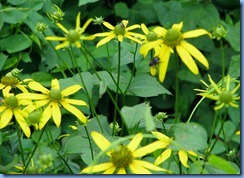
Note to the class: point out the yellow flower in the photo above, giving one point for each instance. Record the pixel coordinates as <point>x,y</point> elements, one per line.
<point>174,39</point>
<point>10,82</point>
<point>54,99</point>
<point>72,36</point>
<point>223,96</point>
<point>121,30</point>
<point>13,106</point>
<point>122,158</point>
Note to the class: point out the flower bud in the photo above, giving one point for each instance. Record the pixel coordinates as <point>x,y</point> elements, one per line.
<point>41,27</point>
<point>56,15</point>
<point>219,32</point>
<point>98,20</point>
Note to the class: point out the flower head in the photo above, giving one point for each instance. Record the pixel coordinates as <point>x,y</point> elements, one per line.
<point>54,99</point>
<point>123,158</point>
<point>72,36</point>
<point>174,39</point>
<point>119,31</point>
<point>222,93</point>
<point>13,105</point>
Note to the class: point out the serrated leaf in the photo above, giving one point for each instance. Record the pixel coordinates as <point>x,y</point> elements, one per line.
<point>144,85</point>
<point>191,136</point>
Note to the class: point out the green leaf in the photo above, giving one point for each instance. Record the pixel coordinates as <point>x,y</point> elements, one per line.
<point>16,2</point>
<point>233,36</point>
<point>144,85</point>
<point>222,164</point>
<point>234,67</point>
<point>229,129</point>
<point>87,79</point>
<point>43,78</point>
<point>191,136</point>
<point>219,146</point>
<point>138,116</point>
<point>121,10</point>
<point>10,62</point>
<point>75,145</point>
<point>186,75</point>
<point>194,15</point>
<point>84,2</point>
<point>3,58</point>
<point>15,43</point>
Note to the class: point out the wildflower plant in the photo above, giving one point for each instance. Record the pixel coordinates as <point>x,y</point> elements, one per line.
<point>120,87</point>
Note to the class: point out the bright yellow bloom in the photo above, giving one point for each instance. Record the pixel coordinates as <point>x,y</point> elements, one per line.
<point>72,36</point>
<point>10,82</point>
<point>223,96</point>
<point>122,158</point>
<point>174,39</point>
<point>121,30</point>
<point>12,105</point>
<point>54,99</point>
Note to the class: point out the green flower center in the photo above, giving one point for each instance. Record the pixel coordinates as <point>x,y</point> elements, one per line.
<point>119,29</point>
<point>34,117</point>
<point>9,81</point>
<point>73,36</point>
<point>122,157</point>
<point>11,102</point>
<point>55,95</point>
<point>226,97</point>
<point>151,36</point>
<point>172,37</point>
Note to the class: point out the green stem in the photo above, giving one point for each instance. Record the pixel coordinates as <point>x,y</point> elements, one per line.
<point>194,109</point>
<point>89,140</point>
<point>34,150</point>
<point>177,117</point>
<point>223,59</point>
<point>117,89</point>
<point>20,144</point>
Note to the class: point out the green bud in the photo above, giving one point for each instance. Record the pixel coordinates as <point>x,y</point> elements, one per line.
<point>56,15</point>
<point>41,27</point>
<point>219,32</point>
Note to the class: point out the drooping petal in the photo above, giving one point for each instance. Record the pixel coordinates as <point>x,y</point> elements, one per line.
<point>192,153</point>
<point>195,33</point>
<point>70,90</point>
<point>106,39</point>
<point>22,88</point>
<point>145,48</point>
<point>133,39</point>
<point>62,28</point>
<point>110,170</point>
<point>148,165</point>
<point>55,84</point>
<point>6,91</point>
<point>38,87</point>
<point>97,168</point>
<point>77,23</point>
<point>76,102</point>
<point>121,171</point>
<point>147,149</point>
<point>55,38</point>
<point>77,44</point>
<point>195,53</point>
<point>85,26</point>
<point>183,158</point>
<point>120,38</point>
<point>108,25</point>
<point>103,34</point>
<point>164,60</point>
<point>91,37</point>
<point>22,122</point>
<point>153,70</point>
<point>134,143</point>
<point>5,118</point>
<point>56,113</point>
<point>138,169</point>
<point>164,156</point>
<point>102,142</point>
<point>144,28</point>
<point>62,45</point>
<point>46,115</point>
<point>2,108</point>
<point>161,136</point>
<point>75,112</point>
<point>187,59</point>
<point>134,34</point>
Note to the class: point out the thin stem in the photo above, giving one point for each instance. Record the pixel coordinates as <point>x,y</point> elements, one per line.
<point>177,118</point>
<point>223,60</point>
<point>117,89</point>
<point>194,109</point>
<point>89,140</point>
<point>20,144</point>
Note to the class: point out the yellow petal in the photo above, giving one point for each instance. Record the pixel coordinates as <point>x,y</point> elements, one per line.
<point>76,102</point>
<point>97,168</point>
<point>70,90</point>
<point>22,88</point>
<point>55,38</point>
<point>56,113</point>
<point>55,84</point>
<point>46,115</point>
<point>77,24</point>
<point>195,53</point>
<point>134,143</point>
<point>62,28</point>
<point>125,22</point>
<point>192,153</point>
<point>195,33</point>
<point>110,170</point>
<point>75,111</point>
<point>106,39</point>
<point>121,171</point>
<point>85,26</point>
<point>144,28</point>
<point>153,70</point>
<point>138,169</point>
<point>145,48</point>
<point>183,158</point>
<point>187,59</point>
<point>38,87</point>
<point>77,44</point>
<point>108,25</point>
<point>165,155</point>
<point>62,45</point>
<point>2,86</point>
<point>160,136</point>
<point>33,96</point>
<point>133,39</point>
<point>160,31</point>
<point>120,38</point>
<point>164,60</point>
<point>22,122</point>
<point>102,142</point>
<point>5,118</point>
<point>178,26</point>
<point>103,34</point>
<point>148,165</point>
<point>2,108</point>
<point>132,27</point>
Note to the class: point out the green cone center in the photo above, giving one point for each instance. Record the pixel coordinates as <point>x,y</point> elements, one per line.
<point>55,95</point>
<point>122,157</point>
<point>9,81</point>
<point>34,117</point>
<point>12,102</point>
<point>151,36</point>
<point>226,97</point>
<point>172,37</point>
<point>73,36</point>
<point>119,29</point>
